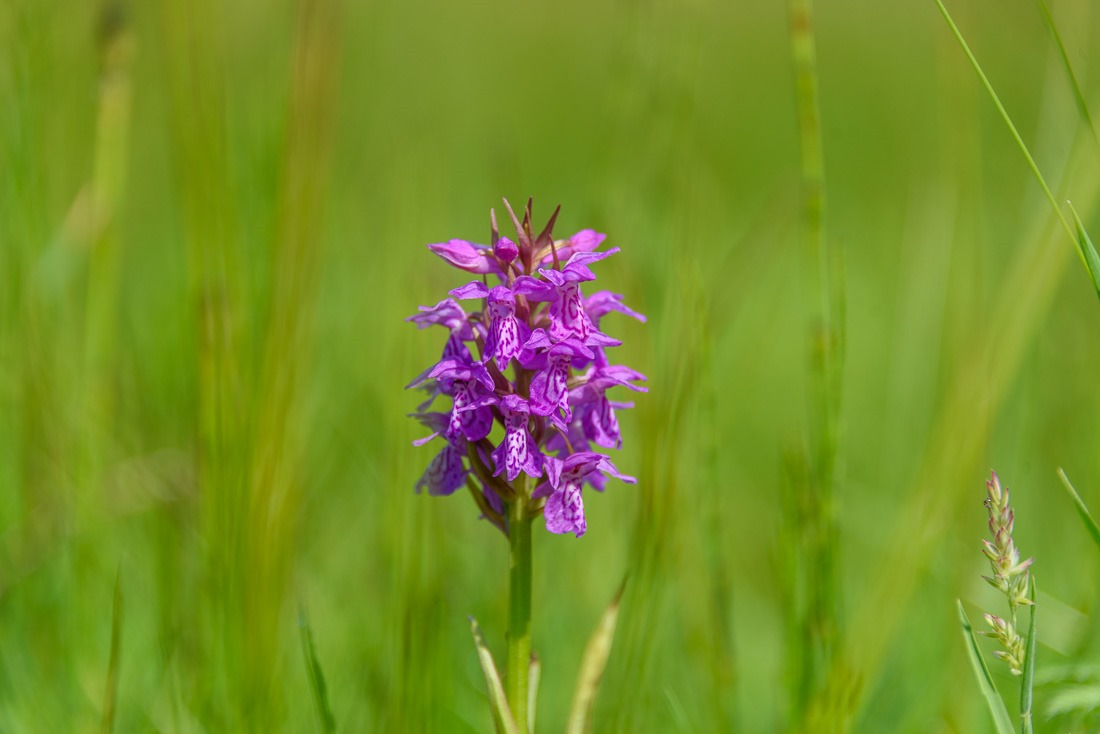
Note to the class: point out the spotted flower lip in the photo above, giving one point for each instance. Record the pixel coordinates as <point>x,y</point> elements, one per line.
<point>506,332</point>
<point>524,354</point>
<point>564,509</point>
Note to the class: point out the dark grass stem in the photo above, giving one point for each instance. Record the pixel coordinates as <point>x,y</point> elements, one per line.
<point>519,605</point>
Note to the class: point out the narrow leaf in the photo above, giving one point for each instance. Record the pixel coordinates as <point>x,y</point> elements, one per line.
<point>1029,670</point>
<point>1090,524</point>
<point>592,666</point>
<point>1078,95</point>
<point>1005,116</point>
<point>1088,251</point>
<point>498,704</point>
<point>985,681</point>
<point>110,694</point>
<point>326,720</point>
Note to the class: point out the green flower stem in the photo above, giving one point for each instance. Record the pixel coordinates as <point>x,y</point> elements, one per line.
<point>519,605</point>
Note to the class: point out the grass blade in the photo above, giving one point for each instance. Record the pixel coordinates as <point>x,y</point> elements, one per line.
<point>592,666</point>
<point>1086,517</point>
<point>110,695</point>
<point>316,677</point>
<point>1029,670</point>
<point>498,704</point>
<point>1005,116</point>
<point>1088,251</point>
<point>985,681</point>
<point>1078,95</point>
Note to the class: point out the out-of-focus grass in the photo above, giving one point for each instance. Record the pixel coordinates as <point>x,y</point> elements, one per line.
<point>212,218</point>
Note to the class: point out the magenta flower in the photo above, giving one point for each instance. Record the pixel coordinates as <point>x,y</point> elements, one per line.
<point>506,332</point>
<point>518,451</point>
<point>564,510</point>
<point>529,356</point>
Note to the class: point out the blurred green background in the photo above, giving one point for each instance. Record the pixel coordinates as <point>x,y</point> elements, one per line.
<point>212,223</point>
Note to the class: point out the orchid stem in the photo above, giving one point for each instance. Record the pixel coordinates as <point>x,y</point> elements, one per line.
<point>519,605</point>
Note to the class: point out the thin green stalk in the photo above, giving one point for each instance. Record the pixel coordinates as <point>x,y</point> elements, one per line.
<point>519,605</point>
<point>815,527</point>
<point>1008,121</point>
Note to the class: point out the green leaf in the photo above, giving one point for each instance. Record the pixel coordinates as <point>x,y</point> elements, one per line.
<point>316,677</point>
<point>985,681</point>
<point>1088,251</point>
<point>498,704</point>
<point>1090,524</point>
<point>592,666</point>
<point>1029,670</point>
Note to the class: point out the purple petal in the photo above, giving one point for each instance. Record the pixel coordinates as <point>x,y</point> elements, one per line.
<point>583,241</point>
<point>445,313</point>
<point>584,258</point>
<point>467,256</point>
<point>564,511</point>
<point>553,470</point>
<point>506,250</point>
<point>609,468</point>
<point>475,289</point>
<point>535,289</point>
<point>445,474</point>
<point>601,303</point>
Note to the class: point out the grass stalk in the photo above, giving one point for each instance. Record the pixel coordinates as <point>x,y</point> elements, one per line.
<point>1008,122</point>
<point>1027,685</point>
<point>816,619</point>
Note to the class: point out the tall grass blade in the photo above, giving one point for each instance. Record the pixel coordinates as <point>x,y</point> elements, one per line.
<point>1087,250</point>
<point>592,666</point>
<point>1007,119</point>
<point>1028,684</point>
<point>816,622</point>
<point>985,681</point>
<point>317,685</point>
<point>110,695</point>
<point>498,704</point>
<point>1082,510</point>
<point>1078,95</point>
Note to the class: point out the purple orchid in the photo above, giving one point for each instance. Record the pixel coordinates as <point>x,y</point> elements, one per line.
<point>518,451</point>
<point>506,332</point>
<point>554,408</point>
<point>446,472</point>
<point>562,289</point>
<point>564,509</point>
<point>550,362</point>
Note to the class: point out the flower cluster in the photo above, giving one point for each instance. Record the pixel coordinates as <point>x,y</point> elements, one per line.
<point>1010,574</point>
<point>528,436</point>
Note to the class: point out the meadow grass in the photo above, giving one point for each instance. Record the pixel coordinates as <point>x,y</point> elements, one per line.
<point>212,219</point>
